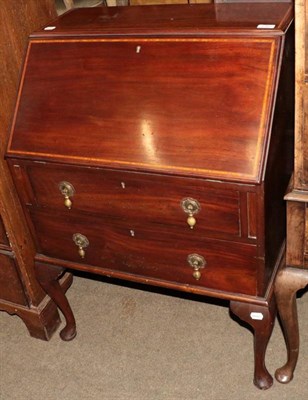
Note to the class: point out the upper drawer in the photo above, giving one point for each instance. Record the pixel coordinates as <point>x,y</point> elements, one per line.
<point>135,196</point>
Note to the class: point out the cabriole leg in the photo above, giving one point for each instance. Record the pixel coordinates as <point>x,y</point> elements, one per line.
<point>48,277</point>
<point>288,282</point>
<point>261,319</point>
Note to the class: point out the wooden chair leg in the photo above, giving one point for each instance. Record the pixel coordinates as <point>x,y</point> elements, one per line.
<point>261,319</point>
<point>48,277</point>
<point>288,282</point>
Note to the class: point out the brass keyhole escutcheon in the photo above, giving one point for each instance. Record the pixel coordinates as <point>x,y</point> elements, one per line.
<point>81,242</point>
<point>68,191</point>
<point>191,207</point>
<point>197,262</point>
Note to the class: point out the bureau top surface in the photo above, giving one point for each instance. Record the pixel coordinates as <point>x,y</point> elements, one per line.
<point>198,106</point>
<point>172,19</point>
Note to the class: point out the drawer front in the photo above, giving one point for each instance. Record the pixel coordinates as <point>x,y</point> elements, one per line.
<point>131,196</point>
<point>10,285</point>
<point>150,251</point>
<point>3,238</point>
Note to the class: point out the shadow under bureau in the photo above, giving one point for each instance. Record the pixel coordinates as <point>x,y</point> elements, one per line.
<point>151,144</point>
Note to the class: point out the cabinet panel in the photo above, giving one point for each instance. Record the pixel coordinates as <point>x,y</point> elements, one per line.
<point>10,285</point>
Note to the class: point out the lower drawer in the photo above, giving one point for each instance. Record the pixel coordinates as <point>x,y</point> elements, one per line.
<point>155,251</point>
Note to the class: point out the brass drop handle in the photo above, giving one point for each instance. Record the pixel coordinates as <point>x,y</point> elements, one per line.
<point>191,207</point>
<point>197,262</point>
<point>82,242</point>
<point>67,190</point>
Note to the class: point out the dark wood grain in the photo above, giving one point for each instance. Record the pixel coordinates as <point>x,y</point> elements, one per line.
<point>262,327</point>
<point>252,214</point>
<point>158,251</point>
<point>135,196</point>
<point>118,104</point>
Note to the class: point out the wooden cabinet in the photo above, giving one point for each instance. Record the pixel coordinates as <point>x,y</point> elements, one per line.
<point>295,275</point>
<point>20,292</point>
<point>153,147</point>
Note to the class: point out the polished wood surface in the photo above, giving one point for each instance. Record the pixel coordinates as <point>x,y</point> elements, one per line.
<point>107,193</point>
<point>228,143</point>
<point>135,125</point>
<point>262,332</point>
<point>295,275</point>
<point>20,293</point>
<point>152,251</point>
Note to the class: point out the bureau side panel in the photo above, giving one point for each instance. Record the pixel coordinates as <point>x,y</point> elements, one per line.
<point>280,160</point>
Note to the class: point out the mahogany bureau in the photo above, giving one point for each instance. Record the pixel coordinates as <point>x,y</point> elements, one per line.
<point>151,144</point>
